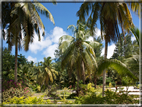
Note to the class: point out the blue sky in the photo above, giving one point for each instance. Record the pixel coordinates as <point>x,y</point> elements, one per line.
<point>64,14</point>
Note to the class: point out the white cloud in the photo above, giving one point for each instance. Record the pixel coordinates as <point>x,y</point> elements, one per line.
<point>133,38</point>
<point>109,51</point>
<point>32,59</point>
<point>44,43</point>
<point>41,60</point>
<point>90,39</point>
<point>50,50</point>
<point>56,34</point>
<point>98,32</point>
<point>39,45</point>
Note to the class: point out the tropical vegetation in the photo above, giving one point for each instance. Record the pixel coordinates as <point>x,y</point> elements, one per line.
<point>78,74</point>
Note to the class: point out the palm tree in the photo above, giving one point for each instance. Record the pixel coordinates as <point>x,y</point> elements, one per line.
<point>46,72</point>
<point>135,6</point>
<point>77,52</point>
<point>110,15</point>
<point>23,18</point>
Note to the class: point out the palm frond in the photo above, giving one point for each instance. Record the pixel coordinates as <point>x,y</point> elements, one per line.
<point>136,33</point>
<point>49,74</point>
<point>72,27</point>
<point>43,10</point>
<point>120,67</point>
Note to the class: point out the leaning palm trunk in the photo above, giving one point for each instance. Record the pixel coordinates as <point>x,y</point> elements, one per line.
<point>16,53</point>
<point>104,72</point>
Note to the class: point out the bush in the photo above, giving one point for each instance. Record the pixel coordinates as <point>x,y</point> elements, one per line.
<point>10,93</point>
<point>51,90</point>
<point>72,96</point>
<point>110,98</point>
<point>86,89</point>
<point>8,84</point>
<point>28,100</point>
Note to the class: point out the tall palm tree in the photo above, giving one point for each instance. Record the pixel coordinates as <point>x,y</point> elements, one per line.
<point>46,72</point>
<point>110,15</point>
<point>23,18</point>
<point>77,52</point>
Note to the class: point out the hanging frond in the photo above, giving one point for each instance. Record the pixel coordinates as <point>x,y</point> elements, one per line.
<point>43,10</point>
<point>120,67</point>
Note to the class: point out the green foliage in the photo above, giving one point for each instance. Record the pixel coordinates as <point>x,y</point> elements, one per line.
<point>72,96</point>
<point>7,64</point>
<point>28,100</point>
<point>136,32</point>
<point>10,93</point>
<point>11,83</point>
<point>110,85</point>
<point>110,98</point>
<point>138,86</point>
<point>98,49</point>
<point>38,88</point>
<point>86,89</point>
<point>78,53</point>
<point>51,90</point>
<point>126,81</point>
<point>63,95</point>
<point>133,64</point>
<point>117,65</point>
<point>46,72</point>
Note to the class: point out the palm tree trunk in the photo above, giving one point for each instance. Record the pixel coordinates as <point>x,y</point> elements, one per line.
<point>104,72</point>
<point>78,79</point>
<point>95,82</point>
<point>16,53</point>
<point>83,72</point>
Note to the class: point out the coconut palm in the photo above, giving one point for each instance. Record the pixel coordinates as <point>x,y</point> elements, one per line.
<point>23,18</point>
<point>77,52</point>
<point>111,15</point>
<point>135,6</point>
<point>46,72</point>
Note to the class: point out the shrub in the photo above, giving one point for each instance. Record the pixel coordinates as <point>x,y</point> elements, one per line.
<point>110,85</point>
<point>28,100</point>
<point>72,96</point>
<point>10,93</point>
<point>138,86</point>
<point>86,89</point>
<point>110,98</point>
<point>51,89</point>
<point>38,88</point>
<point>9,84</point>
